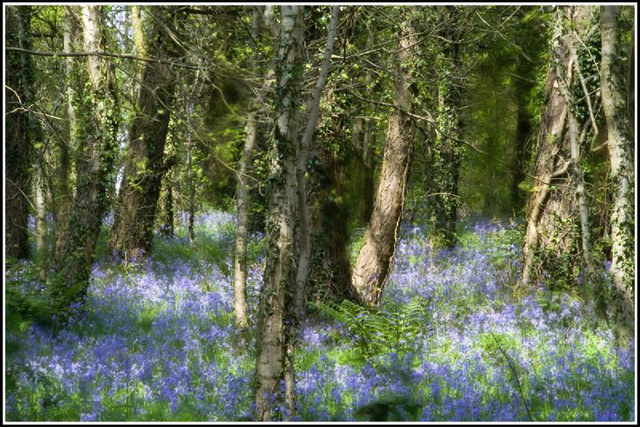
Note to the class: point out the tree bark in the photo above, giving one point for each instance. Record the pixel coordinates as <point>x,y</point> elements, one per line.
<point>573,130</point>
<point>622,176</point>
<point>167,218</point>
<point>97,116</point>
<point>242,208</point>
<point>18,144</point>
<point>551,239</point>
<point>303,231</point>
<point>64,192</point>
<point>135,212</point>
<point>279,275</point>
<point>372,266</point>
<point>447,153</point>
<point>523,135</point>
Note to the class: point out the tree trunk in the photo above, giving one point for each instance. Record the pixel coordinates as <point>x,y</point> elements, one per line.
<point>41,213</point>
<point>97,129</point>
<point>523,135</point>
<point>619,136</point>
<point>279,275</point>
<point>134,217</point>
<point>447,153</point>
<point>18,152</point>
<point>551,241</point>
<point>303,230</point>
<point>374,260</point>
<point>577,176</point>
<point>191,211</point>
<point>64,195</point>
<point>244,167</point>
<point>167,217</point>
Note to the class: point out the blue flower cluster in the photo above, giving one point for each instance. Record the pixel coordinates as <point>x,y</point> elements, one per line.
<point>155,341</point>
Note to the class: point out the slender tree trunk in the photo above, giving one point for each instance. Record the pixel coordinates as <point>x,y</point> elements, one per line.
<point>619,136</point>
<point>573,130</point>
<point>192,188</point>
<point>18,151</point>
<point>64,194</point>
<point>97,129</point>
<point>279,275</point>
<point>303,231</point>
<point>372,266</point>
<point>244,167</point>
<point>523,135</point>
<point>364,182</point>
<point>631,73</point>
<point>447,153</point>
<point>167,218</point>
<point>135,212</point>
<point>301,168</point>
<point>41,213</point>
<point>240,256</point>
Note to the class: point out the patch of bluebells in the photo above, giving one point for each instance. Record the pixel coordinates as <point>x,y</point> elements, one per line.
<point>156,342</point>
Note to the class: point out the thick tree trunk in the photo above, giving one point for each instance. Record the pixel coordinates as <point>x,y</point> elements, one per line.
<point>620,152</point>
<point>374,260</point>
<point>330,276</point>
<point>97,130</point>
<point>18,152</point>
<point>135,213</point>
<point>279,275</point>
<point>552,232</point>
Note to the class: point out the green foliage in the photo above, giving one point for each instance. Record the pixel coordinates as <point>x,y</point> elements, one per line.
<point>205,250</point>
<point>379,331</point>
<point>25,304</point>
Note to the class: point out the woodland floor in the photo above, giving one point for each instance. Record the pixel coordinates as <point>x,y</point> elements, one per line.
<point>452,341</point>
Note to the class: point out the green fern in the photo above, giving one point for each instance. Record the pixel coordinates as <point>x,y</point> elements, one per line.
<point>380,331</point>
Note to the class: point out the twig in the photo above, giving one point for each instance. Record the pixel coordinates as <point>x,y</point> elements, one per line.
<point>515,374</point>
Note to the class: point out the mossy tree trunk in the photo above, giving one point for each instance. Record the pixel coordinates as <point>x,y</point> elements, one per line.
<point>551,250</point>
<point>622,174</point>
<point>96,133</point>
<point>18,154</point>
<point>279,275</point>
<point>145,164</point>
<point>447,151</point>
